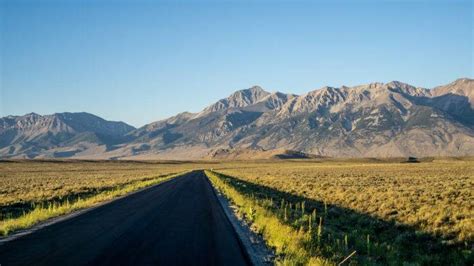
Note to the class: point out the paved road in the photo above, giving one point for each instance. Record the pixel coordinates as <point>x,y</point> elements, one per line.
<point>179,222</point>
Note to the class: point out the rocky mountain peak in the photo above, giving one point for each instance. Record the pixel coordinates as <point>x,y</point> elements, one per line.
<point>376,119</point>
<point>463,81</point>
<point>255,89</point>
<point>32,114</point>
<point>463,86</point>
<point>407,89</point>
<point>248,96</point>
<point>275,100</point>
<point>237,99</point>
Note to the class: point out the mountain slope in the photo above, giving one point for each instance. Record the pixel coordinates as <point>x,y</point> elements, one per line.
<point>57,135</point>
<point>373,120</point>
<point>457,99</point>
<point>238,99</point>
<point>393,119</point>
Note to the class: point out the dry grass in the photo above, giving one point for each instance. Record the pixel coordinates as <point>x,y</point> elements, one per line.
<point>44,212</point>
<point>390,213</point>
<point>33,191</point>
<point>289,242</point>
<point>436,197</point>
<point>418,213</point>
<point>34,181</point>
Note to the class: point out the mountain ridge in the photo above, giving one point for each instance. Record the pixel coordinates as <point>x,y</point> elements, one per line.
<point>372,120</point>
<point>33,135</point>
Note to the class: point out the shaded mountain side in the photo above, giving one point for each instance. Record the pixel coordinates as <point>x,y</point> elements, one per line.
<point>374,120</point>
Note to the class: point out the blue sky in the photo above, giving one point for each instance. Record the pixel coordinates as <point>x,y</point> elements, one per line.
<point>141,61</point>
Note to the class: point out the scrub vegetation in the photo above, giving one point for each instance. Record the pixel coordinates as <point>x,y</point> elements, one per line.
<point>316,212</point>
<point>388,213</point>
<point>34,191</point>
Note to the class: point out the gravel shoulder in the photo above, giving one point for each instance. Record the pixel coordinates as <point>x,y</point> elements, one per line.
<point>254,244</point>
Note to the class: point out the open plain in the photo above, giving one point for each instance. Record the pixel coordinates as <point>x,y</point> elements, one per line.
<point>317,211</point>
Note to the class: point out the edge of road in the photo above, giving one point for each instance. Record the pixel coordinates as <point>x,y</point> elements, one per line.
<point>62,218</point>
<point>252,244</point>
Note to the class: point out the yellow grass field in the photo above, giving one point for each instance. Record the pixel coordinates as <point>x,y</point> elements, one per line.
<point>405,209</point>
<point>436,197</point>
<point>386,211</point>
<point>36,181</point>
<point>33,191</point>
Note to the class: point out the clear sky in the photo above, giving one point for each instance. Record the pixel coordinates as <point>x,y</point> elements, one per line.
<point>141,61</point>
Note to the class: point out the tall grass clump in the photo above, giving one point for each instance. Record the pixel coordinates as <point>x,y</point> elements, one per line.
<point>291,244</point>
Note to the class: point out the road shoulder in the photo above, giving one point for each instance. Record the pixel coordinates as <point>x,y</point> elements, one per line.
<point>254,244</point>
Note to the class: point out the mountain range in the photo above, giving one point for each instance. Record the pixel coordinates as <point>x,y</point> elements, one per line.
<point>375,120</point>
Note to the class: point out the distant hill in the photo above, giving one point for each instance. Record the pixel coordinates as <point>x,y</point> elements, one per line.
<point>374,120</point>
<point>58,135</point>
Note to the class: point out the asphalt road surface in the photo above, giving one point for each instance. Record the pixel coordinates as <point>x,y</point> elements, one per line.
<point>179,222</point>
